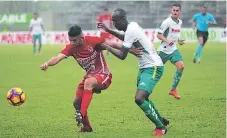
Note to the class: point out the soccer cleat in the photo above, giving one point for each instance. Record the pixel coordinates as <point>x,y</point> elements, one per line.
<point>79,118</point>
<point>175,94</point>
<point>160,132</point>
<point>84,130</point>
<point>196,59</point>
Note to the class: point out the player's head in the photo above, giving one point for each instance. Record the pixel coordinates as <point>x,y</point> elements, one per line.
<point>76,36</point>
<point>106,11</point>
<point>119,19</point>
<point>204,10</point>
<point>176,9</point>
<point>36,15</point>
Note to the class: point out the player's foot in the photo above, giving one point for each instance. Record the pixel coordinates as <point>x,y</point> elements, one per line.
<point>84,130</point>
<point>196,59</point>
<point>160,132</point>
<point>175,94</point>
<point>78,117</point>
<point>165,122</point>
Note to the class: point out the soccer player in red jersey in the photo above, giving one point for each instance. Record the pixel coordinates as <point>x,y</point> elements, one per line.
<point>87,51</point>
<point>105,18</point>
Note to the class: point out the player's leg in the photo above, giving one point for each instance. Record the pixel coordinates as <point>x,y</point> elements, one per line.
<point>200,46</point>
<point>89,84</point>
<point>34,44</point>
<point>147,79</point>
<point>77,105</point>
<point>40,42</point>
<point>205,38</point>
<point>177,60</point>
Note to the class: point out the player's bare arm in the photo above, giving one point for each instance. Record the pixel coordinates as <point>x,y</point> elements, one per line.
<point>30,29</point>
<point>42,26</point>
<point>163,38</point>
<point>193,24</point>
<point>121,54</point>
<point>53,61</point>
<point>210,22</point>
<point>116,33</point>
<point>118,45</point>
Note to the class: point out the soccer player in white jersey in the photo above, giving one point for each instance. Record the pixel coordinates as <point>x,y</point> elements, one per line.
<point>36,29</point>
<point>150,64</point>
<point>169,34</point>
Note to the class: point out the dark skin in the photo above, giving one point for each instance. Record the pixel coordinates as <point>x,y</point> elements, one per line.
<point>120,22</point>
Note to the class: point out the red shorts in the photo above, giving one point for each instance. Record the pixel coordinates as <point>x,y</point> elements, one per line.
<point>102,79</point>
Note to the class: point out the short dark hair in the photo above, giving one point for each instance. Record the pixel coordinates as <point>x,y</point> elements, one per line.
<point>177,5</point>
<point>35,13</point>
<point>74,30</point>
<point>105,9</point>
<point>122,12</point>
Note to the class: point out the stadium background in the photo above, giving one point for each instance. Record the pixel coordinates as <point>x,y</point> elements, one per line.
<point>59,16</point>
<point>48,110</point>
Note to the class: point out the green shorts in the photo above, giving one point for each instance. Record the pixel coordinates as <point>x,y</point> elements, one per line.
<point>148,78</point>
<point>37,36</point>
<point>174,57</point>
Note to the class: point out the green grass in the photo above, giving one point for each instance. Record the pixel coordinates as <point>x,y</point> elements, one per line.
<point>48,110</point>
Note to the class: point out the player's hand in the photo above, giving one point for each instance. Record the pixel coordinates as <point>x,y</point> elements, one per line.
<point>136,51</point>
<point>181,42</point>
<point>193,27</point>
<point>170,42</point>
<point>44,66</point>
<point>209,22</point>
<point>102,26</point>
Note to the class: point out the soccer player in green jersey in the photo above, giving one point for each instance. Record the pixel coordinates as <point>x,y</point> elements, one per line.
<point>150,64</point>
<point>169,34</point>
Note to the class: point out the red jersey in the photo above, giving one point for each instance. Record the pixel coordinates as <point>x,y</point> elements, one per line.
<point>105,19</point>
<point>88,56</point>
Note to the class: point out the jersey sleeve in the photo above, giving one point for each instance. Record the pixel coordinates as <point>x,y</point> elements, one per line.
<point>67,51</point>
<point>96,40</point>
<point>164,26</point>
<point>194,18</point>
<point>30,25</point>
<point>41,21</point>
<point>212,18</point>
<point>130,37</point>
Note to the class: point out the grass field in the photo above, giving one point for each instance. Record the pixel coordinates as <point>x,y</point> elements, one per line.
<point>48,110</point>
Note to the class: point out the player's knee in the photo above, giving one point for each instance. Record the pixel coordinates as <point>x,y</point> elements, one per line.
<point>139,100</point>
<point>89,83</point>
<point>181,67</point>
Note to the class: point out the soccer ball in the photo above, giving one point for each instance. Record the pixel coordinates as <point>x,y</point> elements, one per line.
<point>16,96</point>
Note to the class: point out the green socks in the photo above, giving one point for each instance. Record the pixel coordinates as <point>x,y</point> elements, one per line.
<point>176,79</point>
<point>148,109</point>
<point>34,48</point>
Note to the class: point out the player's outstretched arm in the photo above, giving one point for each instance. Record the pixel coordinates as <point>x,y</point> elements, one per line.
<point>118,45</point>
<point>121,54</point>
<point>53,61</point>
<point>116,33</point>
<point>163,38</point>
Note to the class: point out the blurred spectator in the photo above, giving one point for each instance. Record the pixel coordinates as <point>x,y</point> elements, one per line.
<point>105,18</point>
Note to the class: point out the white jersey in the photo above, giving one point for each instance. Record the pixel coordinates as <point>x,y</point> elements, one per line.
<point>171,30</point>
<point>135,36</point>
<point>36,26</point>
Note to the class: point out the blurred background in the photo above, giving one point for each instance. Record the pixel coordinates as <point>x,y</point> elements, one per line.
<point>59,15</point>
